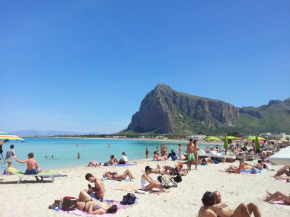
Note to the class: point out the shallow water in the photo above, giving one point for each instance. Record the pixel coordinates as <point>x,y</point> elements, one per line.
<point>65,150</point>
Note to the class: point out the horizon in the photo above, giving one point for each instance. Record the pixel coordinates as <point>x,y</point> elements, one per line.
<point>85,66</point>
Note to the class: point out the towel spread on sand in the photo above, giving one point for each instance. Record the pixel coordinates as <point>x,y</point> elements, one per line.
<point>124,165</point>
<point>125,180</point>
<point>84,213</point>
<point>280,204</point>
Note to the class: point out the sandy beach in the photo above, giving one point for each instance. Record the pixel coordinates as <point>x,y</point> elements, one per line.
<point>31,199</point>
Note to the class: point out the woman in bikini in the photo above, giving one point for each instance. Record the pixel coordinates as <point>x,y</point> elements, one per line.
<point>277,196</point>
<point>115,176</point>
<point>93,206</point>
<point>147,183</point>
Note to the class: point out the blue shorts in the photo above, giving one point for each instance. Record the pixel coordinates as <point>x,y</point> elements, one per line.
<point>93,195</point>
<point>33,171</point>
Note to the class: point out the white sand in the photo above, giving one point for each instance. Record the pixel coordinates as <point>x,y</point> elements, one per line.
<point>31,199</point>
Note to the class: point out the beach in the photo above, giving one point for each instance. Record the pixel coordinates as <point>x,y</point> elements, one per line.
<point>31,199</point>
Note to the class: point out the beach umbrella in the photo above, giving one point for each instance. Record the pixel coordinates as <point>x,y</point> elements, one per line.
<point>212,138</point>
<point>251,138</point>
<point>281,158</point>
<point>229,137</point>
<point>257,143</point>
<point>4,136</point>
<point>226,143</point>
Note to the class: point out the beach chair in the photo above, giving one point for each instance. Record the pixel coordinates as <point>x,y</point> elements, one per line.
<point>167,181</point>
<point>21,175</point>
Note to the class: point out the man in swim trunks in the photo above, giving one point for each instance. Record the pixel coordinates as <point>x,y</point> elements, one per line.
<point>97,192</point>
<point>190,154</point>
<point>32,166</point>
<point>213,207</point>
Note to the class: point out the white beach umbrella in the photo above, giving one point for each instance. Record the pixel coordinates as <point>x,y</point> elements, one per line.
<point>281,158</point>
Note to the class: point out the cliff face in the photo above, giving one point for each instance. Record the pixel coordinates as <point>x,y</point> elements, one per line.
<point>164,110</point>
<point>167,111</point>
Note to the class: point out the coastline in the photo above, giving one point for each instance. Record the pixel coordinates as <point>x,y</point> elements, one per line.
<point>33,197</point>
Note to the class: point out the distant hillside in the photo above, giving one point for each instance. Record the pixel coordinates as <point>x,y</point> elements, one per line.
<point>44,133</point>
<point>166,111</point>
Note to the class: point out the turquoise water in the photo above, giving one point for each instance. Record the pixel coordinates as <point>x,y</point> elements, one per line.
<point>65,150</point>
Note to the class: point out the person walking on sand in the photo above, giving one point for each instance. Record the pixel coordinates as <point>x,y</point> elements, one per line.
<point>9,155</point>
<point>190,154</point>
<point>179,152</point>
<point>147,152</point>
<point>79,156</point>
<point>195,151</point>
<point>32,165</point>
<point>97,192</point>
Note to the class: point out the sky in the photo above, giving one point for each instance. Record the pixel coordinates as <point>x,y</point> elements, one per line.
<point>86,65</point>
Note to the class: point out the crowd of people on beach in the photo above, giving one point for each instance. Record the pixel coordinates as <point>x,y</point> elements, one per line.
<point>91,199</point>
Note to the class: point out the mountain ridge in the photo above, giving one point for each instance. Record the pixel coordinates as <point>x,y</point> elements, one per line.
<point>166,111</point>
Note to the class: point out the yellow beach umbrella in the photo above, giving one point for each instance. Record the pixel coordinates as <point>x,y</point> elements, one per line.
<point>4,136</point>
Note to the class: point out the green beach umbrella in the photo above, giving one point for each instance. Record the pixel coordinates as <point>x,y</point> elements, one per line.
<point>257,143</point>
<point>212,138</point>
<point>229,137</point>
<point>226,144</point>
<point>251,138</point>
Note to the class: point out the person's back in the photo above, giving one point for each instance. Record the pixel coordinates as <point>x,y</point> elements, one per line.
<point>206,212</point>
<point>31,164</point>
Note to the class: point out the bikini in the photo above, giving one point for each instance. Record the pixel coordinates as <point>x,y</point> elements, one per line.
<point>84,209</point>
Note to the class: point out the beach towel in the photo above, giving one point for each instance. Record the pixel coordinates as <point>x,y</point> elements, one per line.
<point>280,204</point>
<point>154,190</point>
<point>84,213</point>
<point>106,179</point>
<point>124,165</point>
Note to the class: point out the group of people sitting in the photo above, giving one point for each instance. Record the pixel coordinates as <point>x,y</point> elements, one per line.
<point>213,207</point>
<point>113,160</point>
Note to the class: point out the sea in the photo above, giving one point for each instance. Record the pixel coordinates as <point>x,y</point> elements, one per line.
<point>65,150</point>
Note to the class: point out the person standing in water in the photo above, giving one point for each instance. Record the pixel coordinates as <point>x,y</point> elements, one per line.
<point>79,156</point>
<point>147,152</point>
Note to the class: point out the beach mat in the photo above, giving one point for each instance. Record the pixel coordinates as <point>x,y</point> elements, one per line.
<point>124,165</point>
<point>84,213</point>
<point>280,204</point>
<point>112,180</point>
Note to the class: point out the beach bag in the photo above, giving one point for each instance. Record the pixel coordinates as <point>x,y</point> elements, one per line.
<point>178,177</point>
<point>159,178</point>
<point>255,170</point>
<point>128,199</point>
<point>69,203</point>
<point>121,161</point>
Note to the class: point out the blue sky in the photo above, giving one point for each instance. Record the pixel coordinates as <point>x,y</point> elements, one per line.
<point>85,65</point>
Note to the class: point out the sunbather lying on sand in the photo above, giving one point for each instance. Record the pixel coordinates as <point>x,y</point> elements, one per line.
<point>276,196</point>
<point>93,206</point>
<point>284,170</point>
<point>114,176</point>
<point>147,183</point>
<point>93,163</point>
<point>234,169</point>
<point>213,207</point>
<point>164,169</point>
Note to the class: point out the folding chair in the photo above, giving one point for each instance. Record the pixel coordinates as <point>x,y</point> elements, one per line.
<point>167,181</point>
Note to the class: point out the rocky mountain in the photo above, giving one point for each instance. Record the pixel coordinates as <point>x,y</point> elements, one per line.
<point>166,111</point>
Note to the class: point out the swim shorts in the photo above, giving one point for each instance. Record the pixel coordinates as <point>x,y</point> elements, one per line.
<point>33,171</point>
<point>191,156</point>
<point>93,195</point>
